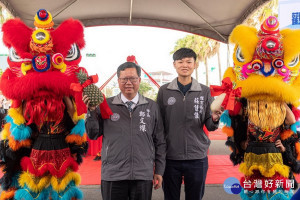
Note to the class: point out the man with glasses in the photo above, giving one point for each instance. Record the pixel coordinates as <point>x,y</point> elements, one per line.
<point>133,140</point>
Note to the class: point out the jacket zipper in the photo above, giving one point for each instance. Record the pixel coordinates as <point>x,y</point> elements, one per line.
<point>130,114</point>
<point>185,140</point>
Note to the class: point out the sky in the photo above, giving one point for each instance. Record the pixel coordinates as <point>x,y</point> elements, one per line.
<point>112,44</point>
<point>151,47</point>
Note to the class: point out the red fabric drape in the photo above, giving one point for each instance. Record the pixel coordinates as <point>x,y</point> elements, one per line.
<point>94,146</point>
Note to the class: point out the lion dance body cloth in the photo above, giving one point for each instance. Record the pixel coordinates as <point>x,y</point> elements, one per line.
<point>44,137</point>
<point>260,90</point>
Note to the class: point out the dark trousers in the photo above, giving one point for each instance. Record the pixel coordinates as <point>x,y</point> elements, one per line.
<point>126,190</point>
<point>194,173</point>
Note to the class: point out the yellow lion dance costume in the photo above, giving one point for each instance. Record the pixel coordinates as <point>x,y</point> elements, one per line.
<point>260,92</point>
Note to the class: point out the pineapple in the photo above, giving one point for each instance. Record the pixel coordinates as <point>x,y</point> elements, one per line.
<point>92,91</point>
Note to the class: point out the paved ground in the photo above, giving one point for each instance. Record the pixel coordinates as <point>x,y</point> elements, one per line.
<point>212,192</point>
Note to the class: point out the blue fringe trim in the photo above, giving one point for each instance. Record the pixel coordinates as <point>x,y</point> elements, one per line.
<point>19,132</point>
<point>225,119</point>
<point>70,192</point>
<point>278,194</point>
<point>79,129</point>
<point>294,126</point>
<point>26,194</point>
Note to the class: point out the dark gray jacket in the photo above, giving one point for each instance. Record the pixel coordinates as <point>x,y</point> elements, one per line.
<point>131,143</point>
<point>184,117</point>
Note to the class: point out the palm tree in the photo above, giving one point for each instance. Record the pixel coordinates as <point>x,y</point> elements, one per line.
<point>266,10</point>
<point>4,15</point>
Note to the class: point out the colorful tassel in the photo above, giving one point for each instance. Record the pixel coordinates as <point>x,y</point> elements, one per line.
<point>297,147</point>
<point>7,194</point>
<point>228,131</point>
<point>286,134</point>
<point>19,132</point>
<point>294,126</point>
<point>15,145</point>
<point>16,115</point>
<point>79,129</point>
<point>225,118</point>
<point>76,139</point>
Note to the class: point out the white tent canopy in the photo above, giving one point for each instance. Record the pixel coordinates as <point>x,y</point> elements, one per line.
<point>210,18</point>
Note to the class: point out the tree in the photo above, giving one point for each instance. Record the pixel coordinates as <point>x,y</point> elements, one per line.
<point>147,90</point>
<point>4,15</point>
<point>266,10</point>
<point>108,91</point>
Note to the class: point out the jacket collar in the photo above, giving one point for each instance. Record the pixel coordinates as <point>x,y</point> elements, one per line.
<point>195,85</point>
<point>118,101</point>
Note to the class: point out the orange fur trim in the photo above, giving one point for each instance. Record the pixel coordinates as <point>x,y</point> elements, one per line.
<point>76,139</point>
<point>12,143</point>
<point>286,134</point>
<point>228,131</point>
<point>9,194</point>
<point>15,145</point>
<point>297,147</point>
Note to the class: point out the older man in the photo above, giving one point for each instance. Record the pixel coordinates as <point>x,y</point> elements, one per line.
<point>133,140</point>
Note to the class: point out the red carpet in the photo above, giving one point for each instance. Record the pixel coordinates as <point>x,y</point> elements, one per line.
<point>217,135</point>
<point>90,171</point>
<point>220,168</point>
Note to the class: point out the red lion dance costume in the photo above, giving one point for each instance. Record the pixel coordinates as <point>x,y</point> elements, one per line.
<point>44,137</point>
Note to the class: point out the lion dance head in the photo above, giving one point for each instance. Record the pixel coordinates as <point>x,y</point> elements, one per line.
<point>42,65</point>
<point>266,62</point>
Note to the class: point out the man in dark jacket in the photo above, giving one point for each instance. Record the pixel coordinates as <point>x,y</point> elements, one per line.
<point>185,107</point>
<point>133,140</point>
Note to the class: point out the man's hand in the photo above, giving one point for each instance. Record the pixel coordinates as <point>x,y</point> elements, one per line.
<point>244,144</point>
<point>157,181</point>
<point>279,145</point>
<point>216,115</point>
<point>86,100</point>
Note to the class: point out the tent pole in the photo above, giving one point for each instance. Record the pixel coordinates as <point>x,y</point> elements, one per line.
<point>108,80</point>
<point>194,10</point>
<point>130,12</point>
<point>67,6</point>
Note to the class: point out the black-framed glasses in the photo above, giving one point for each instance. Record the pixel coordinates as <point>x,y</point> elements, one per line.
<point>132,80</point>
